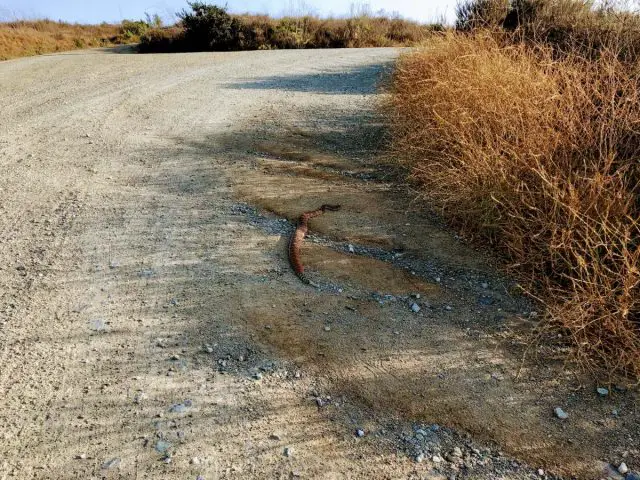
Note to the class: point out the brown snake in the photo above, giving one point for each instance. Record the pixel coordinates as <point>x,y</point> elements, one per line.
<point>298,237</point>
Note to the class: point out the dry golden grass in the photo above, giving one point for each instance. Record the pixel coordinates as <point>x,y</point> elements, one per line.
<point>257,32</point>
<point>25,38</point>
<point>537,155</point>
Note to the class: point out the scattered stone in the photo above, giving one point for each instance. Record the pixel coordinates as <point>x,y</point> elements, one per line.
<point>541,472</point>
<point>623,468</point>
<point>633,476</point>
<point>162,446</point>
<point>457,452</point>
<point>420,458</point>
<point>175,357</point>
<point>200,477</point>
<point>257,376</point>
<point>167,459</point>
<point>436,459</point>
<point>448,308</point>
<point>319,402</point>
<point>497,376</point>
<point>486,300</point>
<point>437,279</point>
<point>82,456</point>
<point>274,436</point>
<point>561,414</point>
<point>360,432</point>
<point>603,392</point>
<point>415,308</point>
<point>288,451</point>
<point>139,397</point>
<point>114,264</point>
<point>327,328</point>
<point>178,408</point>
<point>113,463</point>
<point>97,325</point>
<point>416,296</point>
<point>485,285</point>
<point>351,249</point>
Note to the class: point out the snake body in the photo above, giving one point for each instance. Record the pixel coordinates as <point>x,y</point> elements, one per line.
<point>298,237</point>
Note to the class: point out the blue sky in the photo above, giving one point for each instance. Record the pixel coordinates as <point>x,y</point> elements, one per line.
<point>94,11</point>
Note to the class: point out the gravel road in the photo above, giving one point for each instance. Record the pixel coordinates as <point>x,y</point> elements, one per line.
<point>150,326</point>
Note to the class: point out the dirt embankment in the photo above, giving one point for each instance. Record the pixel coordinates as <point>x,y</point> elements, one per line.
<point>150,325</point>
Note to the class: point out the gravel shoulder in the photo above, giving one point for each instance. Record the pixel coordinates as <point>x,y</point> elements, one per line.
<point>150,326</point>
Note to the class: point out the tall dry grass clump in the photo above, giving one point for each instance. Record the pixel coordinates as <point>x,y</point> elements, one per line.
<point>26,38</point>
<point>208,28</point>
<point>538,155</point>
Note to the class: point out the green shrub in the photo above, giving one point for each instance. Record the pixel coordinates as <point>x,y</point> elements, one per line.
<point>209,27</point>
<point>133,29</point>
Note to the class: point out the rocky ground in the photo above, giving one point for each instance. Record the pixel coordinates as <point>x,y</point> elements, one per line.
<point>151,327</point>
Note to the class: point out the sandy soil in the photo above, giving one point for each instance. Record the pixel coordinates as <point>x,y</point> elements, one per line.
<point>150,326</point>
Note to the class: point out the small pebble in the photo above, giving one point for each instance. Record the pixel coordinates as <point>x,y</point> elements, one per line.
<point>351,249</point>
<point>420,458</point>
<point>561,414</point>
<point>257,376</point>
<point>485,285</point>
<point>541,472</point>
<point>448,307</point>
<point>436,459</point>
<point>360,432</point>
<point>327,328</point>
<point>457,452</point>
<point>415,307</point>
<point>82,456</point>
<point>195,461</point>
<point>288,451</point>
<point>623,468</point>
<point>603,392</point>
<point>114,462</point>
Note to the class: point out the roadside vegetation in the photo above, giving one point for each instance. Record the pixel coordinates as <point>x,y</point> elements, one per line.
<point>207,27</point>
<point>523,127</point>
<point>26,38</point>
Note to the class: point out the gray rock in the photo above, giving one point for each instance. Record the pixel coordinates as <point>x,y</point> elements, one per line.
<point>485,285</point>
<point>139,397</point>
<point>178,408</point>
<point>195,461</point>
<point>622,468</point>
<point>561,414</point>
<point>420,458</point>
<point>603,392</point>
<point>257,376</point>
<point>82,456</point>
<point>540,472</point>
<point>288,451</point>
<point>162,446</point>
<point>113,463</point>
<point>97,325</point>
<point>457,452</point>
<point>436,459</point>
<point>360,432</point>
<point>415,307</point>
<point>633,476</point>
<point>351,249</point>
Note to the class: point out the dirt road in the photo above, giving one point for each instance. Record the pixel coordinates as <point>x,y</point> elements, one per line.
<point>150,326</point>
